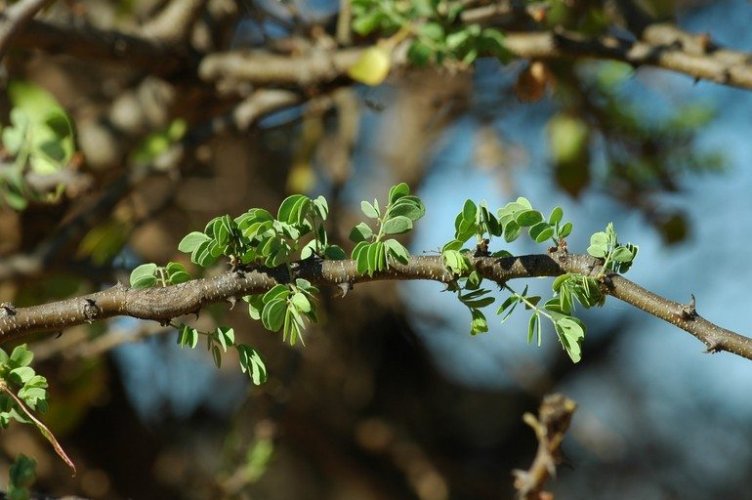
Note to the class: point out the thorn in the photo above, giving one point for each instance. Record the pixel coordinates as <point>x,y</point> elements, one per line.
<point>688,311</point>
<point>342,289</point>
<point>165,322</point>
<point>232,300</point>
<point>58,334</point>
<point>8,309</point>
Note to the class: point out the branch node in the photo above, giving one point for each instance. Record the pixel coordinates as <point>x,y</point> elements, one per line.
<point>91,310</point>
<point>481,249</point>
<point>713,347</point>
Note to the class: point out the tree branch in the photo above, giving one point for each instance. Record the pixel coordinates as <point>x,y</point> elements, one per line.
<point>550,427</point>
<point>88,42</point>
<point>165,303</point>
<point>662,45</point>
<point>15,17</point>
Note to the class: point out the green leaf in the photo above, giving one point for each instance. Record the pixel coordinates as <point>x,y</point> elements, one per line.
<point>322,207</point>
<point>528,218</point>
<point>255,305</point>
<point>398,191</point>
<point>512,301</point>
<point>559,281</point>
<point>597,251</point>
<point>455,262</point>
<point>565,230</point>
<point>479,303</point>
<point>397,251</point>
<point>600,239</point>
<point>279,292</point>
<point>368,210</point>
<point>478,324</point>
<point>21,356</point>
<point>431,30</point>
<point>397,225</point>
<point>571,333</point>
<point>372,256</point>
<point>532,301</point>
<point>216,355</point>
<point>360,255</point>
<point>251,363</point>
<point>21,375</point>
<point>622,254</point>
<point>541,232</point>
<point>187,337</point>
<point>408,206</point>
<point>457,39</point>
<point>464,229</point>
<point>176,273</point>
<point>489,221</point>
<point>511,231</point>
<point>225,337</point>
<point>143,276</point>
<point>420,53</point>
<point>381,262</point>
<point>469,211</point>
<point>556,215</point>
<point>474,280</point>
<point>361,232</point>
<point>273,314</point>
<point>289,209</point>
<point>366,23</point>
<point>452,245</point>
<point>532,326</point>
<point>334,252</point>
<point>300,302</point>
<point>306,286</point>
<point>22,474</point>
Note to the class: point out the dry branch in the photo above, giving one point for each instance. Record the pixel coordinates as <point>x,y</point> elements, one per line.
<point>550,427</point>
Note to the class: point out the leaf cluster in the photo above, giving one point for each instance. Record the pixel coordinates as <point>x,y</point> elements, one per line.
<point>616,257</point>
<point>39,138</point>
<point>476,220</point>
<point>438,37</point>
<point>372,253</point>
<point>258,237</point>
<point>21,475</point>
<point>150,274</point>
<point>285,307</point>
<point>218,341</point>
<point>569,329</point>
<point>19,377</point>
